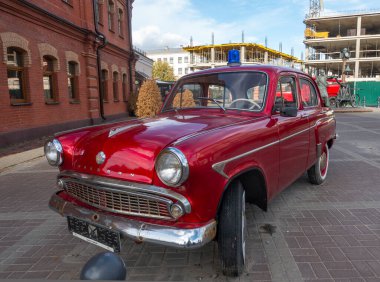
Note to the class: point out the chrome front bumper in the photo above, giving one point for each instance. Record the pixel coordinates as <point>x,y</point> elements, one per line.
<point>139,231</point>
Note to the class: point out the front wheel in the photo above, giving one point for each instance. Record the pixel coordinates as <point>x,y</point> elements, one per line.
<point>318,172</point>
<point>231,230</point>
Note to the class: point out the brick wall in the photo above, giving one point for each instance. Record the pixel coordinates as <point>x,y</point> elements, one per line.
<point>38,34</point>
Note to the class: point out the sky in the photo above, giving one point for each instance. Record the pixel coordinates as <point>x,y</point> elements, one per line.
<point>157,24</point>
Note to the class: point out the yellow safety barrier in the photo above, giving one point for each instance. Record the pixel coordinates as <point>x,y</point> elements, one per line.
<point>309,33</point>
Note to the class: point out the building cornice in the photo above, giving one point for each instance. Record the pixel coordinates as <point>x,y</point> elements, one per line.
<point>31,13</point>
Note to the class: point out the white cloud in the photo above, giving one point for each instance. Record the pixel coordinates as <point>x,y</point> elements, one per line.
<point>157,24</point>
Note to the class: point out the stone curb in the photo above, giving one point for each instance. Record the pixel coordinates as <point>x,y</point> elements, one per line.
<point>355,110</point>
<point>15,159</point>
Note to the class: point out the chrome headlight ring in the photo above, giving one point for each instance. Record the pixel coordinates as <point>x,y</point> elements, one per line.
<point>172,167</point>
<point>54,152</point>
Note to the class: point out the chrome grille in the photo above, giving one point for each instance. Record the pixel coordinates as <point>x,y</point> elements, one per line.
<point>124,202</point>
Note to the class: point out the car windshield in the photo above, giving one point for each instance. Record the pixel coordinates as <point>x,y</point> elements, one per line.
<point>245,90</point>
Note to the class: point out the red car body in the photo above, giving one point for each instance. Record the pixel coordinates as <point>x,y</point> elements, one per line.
<point>265,150</point>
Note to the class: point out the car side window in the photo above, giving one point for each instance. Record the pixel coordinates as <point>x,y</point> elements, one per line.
<point>286,93</point>
<point>308,93</point>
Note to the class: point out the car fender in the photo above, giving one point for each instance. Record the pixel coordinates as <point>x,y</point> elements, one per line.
<point>324,131</point>
<point>243,168</point>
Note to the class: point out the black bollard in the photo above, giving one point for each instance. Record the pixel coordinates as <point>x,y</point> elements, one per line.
<point>104,266</point>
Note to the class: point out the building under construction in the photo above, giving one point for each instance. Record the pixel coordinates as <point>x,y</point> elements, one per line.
<point>326,36</point>
<point>215,55</point>
<point>358,34</point>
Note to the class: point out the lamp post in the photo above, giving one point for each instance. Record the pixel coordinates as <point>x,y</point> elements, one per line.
<point>344,55</point>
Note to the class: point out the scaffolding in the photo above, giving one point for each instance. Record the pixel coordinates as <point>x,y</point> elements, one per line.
<point>206,56</point>
<point>327,36</point>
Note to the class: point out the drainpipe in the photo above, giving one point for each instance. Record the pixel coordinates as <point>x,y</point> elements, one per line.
<point>98,61</point>
<point>129,13</point>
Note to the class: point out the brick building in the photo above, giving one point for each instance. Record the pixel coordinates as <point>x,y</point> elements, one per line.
<point>53,52</point>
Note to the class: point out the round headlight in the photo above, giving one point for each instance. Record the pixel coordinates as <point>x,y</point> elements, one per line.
<point>172,167</point>
<point>53,152</point>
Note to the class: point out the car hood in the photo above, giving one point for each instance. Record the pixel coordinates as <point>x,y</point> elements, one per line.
<point>130,148</point>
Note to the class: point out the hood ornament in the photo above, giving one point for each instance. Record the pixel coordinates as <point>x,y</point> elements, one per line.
<point>100,158</point>
<point>120,129</point>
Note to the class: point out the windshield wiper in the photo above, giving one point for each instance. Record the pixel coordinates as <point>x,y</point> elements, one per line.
<point>215,101</point>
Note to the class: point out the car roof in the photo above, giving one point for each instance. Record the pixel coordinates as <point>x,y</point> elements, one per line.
<point>265,68</point>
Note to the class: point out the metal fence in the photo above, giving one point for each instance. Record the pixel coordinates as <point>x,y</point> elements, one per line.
<point>368,91</point>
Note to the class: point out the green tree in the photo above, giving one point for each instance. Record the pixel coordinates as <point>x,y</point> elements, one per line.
<point>163,71</point>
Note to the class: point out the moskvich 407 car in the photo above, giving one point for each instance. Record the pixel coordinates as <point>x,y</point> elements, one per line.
<point>224,137</point>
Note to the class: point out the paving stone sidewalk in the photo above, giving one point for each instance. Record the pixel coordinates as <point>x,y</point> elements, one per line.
<point>326,233</point>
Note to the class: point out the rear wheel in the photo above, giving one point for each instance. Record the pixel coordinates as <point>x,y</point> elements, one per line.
<point>318,172</point>
<point>231,230</point>
<point>355,101</point>
<point>332,102</point>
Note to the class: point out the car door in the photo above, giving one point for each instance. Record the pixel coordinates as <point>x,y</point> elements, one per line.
<point>312,109</point>
<point>293,131</point>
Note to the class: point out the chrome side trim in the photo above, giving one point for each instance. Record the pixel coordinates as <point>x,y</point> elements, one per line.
<point>193,135</point>
<point>219,167</point>
<point>126,185</point>
<point>324,119</point>
<point>297,133</point>
<point>140,231</point>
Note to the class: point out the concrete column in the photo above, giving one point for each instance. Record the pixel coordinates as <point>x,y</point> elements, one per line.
<point>266,57</point>
<point>357,69</point>
<point>242,54</point>
<point>357,50</point>
<point>359,26</point>
<point>212,55</point>
<point>357,56</point>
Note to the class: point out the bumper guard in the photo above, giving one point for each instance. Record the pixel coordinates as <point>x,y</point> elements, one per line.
<point>139,231</point>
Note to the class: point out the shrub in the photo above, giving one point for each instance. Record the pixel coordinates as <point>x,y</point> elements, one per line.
<point>187,100</point>
<point>149,99</point>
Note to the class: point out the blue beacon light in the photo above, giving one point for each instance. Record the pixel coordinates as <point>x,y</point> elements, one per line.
<point>233,58</point>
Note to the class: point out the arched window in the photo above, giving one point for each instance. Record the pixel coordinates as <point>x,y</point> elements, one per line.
<point>120,22</point>
<point>49,80</point>
<point>111,10</point>
<point>16,75</point>
<point>72,81</point>
<point>100,11</point>
<point>115,86</point>
<point>104,85</point>
<point>125,87</point>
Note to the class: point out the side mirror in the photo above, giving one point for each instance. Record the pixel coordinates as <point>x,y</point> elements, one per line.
<point>289,112</point>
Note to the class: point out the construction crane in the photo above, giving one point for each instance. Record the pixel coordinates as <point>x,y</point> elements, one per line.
<point>316,6</point>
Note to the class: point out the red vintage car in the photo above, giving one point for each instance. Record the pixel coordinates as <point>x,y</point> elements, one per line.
<point>224,137</point>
